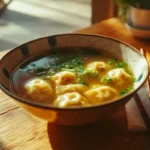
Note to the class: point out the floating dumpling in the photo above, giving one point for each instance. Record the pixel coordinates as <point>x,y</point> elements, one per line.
<point>100,94</point>
<point>98,66</point>
<point>39,90</point>
<point>70,88</point>
<point>120,77</point>
<point>70,99</point>
<point>64,77</point>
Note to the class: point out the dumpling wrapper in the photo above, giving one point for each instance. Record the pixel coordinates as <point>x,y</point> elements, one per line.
<point>120,77</point>
<point>100,94</point>
<point>39,90</point>
<point>98,66</point>
<point>70,88</point>
<point>64,77</point>
<point>71,99</point>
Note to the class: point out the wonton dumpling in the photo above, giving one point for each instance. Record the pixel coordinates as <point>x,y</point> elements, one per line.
<point>70,88</point>
<point>64,77</point>
<point>98,66</point>
<point>119,77</point>
<point>39,90</point>
<point>70,99</point>
<point>100,94</point>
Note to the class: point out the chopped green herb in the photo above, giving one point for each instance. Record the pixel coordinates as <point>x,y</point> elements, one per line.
<point>133,80</point>
<point>37,69</point>
<point>91,73</point>
<point>56,56</point>
<point>81,80</point>
<point>41,69</point>
<point>125,91</point>
<point>117,64</point>
<point>33,65</point>
<point>106,80</point>
<point>121,65</point>
<point>112,61</point>
<point>109,79</point>
<point>74,64</point>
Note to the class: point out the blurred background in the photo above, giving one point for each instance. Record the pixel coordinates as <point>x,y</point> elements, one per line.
<point>25,20</point>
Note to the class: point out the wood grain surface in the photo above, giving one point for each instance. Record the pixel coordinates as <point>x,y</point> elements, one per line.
<point>22,131</point>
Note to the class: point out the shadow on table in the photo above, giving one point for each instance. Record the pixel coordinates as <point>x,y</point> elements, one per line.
<point>105,135</point>
<point>81,138</point>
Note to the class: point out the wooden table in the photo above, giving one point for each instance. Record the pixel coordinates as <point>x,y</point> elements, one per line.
<point>21,131</point>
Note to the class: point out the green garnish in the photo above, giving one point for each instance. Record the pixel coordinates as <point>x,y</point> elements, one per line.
<point>74,64</point>
<point>106,80</point>
<point>91,73</point>
<point>133,80</point>
<point>117,64</point>
<point>33,65</point>
<point>81,80</point>
<point>112,61</point>
<point>56,56</point>
<point>121,65</point>
<point>38,70</point>
<point>125,91</point>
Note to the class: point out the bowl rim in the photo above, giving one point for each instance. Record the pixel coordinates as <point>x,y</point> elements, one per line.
<point>76,108</point>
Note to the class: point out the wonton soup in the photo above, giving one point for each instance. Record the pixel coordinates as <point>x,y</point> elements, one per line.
<point>71,77</point>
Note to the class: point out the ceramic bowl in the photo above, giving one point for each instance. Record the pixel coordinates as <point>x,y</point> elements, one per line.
<point>77,115</point>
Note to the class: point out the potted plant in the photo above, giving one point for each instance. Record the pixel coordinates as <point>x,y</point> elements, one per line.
<point>136,14</point>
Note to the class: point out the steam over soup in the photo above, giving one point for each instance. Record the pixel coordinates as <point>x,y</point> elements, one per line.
<point>73,77</point>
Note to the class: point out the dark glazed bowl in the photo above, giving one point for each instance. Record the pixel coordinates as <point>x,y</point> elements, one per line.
<point>78,115</point>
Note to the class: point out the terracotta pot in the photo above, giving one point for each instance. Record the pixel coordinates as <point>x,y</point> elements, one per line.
<point>138,18</point>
